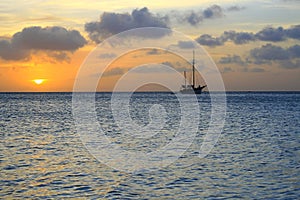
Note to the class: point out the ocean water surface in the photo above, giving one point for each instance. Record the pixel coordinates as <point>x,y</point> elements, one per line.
<point>256,157</point>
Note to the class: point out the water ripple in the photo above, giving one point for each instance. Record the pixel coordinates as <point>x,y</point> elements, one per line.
<point>257,157</point>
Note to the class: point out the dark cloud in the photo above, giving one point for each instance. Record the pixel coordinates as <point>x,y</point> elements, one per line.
<point>193,18</point>
<point>271,34</point>
<point>186,44</point>
<point>10,51</point>
<point>113,23</point>
<point>294,51</point>
<point>50,38</point>
<point>278,34</point>
<point>293,32</point>
<point>238,37</point>
<point>286,58</point>
<point>209,40</point>
<point>266,34</point>
<point>53,38</point>
<point>213,11</point>
<point>269,52</point>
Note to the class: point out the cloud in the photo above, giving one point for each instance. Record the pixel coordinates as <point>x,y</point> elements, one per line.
<point>294,51</point>
<point>186,44</point>
<point>293,32</point>
<point>50,38</point>
<point>115,71</point>
<point>153,69</point>
<point>107,55</point>
<point>194,18</point>
<point>286,58</point>
<point>290,0</point>
<point>244,69</point>
<point>176,65</point>
<point>235,8</point>
<point>59,56</point>
<point>111,23</point>
<point>114,23</point>
<point>209,40</point>
<point>267,34</point>
<point>10,51</point>
<point>256,70</point>
<point>271,34</point>
<point>269,52</point>
<point>238,37</point>
<point>170,64</point>
<point>278,34</point>
<point>54,38</point>
<point>232,59</point>
<point>227,69</point>
<point>213,11</point>
<point>158,68</point>
<point>288,64</point>
<point>253,70</point>
<point>259,62</point>
<point>153,52</point>
<point>235,59</point>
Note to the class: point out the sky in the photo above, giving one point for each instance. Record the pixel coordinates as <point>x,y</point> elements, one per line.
<point>254,44</point>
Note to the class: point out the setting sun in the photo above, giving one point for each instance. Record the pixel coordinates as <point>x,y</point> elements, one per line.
<point>39,81</point>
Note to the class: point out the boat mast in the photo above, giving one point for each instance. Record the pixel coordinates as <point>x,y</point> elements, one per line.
<point>193,69</point>
<point>184,79</point>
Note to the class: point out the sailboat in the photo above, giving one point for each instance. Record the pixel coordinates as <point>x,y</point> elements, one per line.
<point>191,88</point>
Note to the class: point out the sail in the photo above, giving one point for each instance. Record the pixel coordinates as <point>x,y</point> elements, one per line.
<point>190,89</point>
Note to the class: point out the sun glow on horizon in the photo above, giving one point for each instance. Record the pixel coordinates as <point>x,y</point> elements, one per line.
<point>39,81</point>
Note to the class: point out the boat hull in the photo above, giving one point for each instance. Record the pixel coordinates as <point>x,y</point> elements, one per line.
<point>191,91</point>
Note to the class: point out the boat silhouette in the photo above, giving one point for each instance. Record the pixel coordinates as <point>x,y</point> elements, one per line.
<point>191,88</point>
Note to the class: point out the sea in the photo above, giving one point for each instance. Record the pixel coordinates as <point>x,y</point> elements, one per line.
<point>257,154</point>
